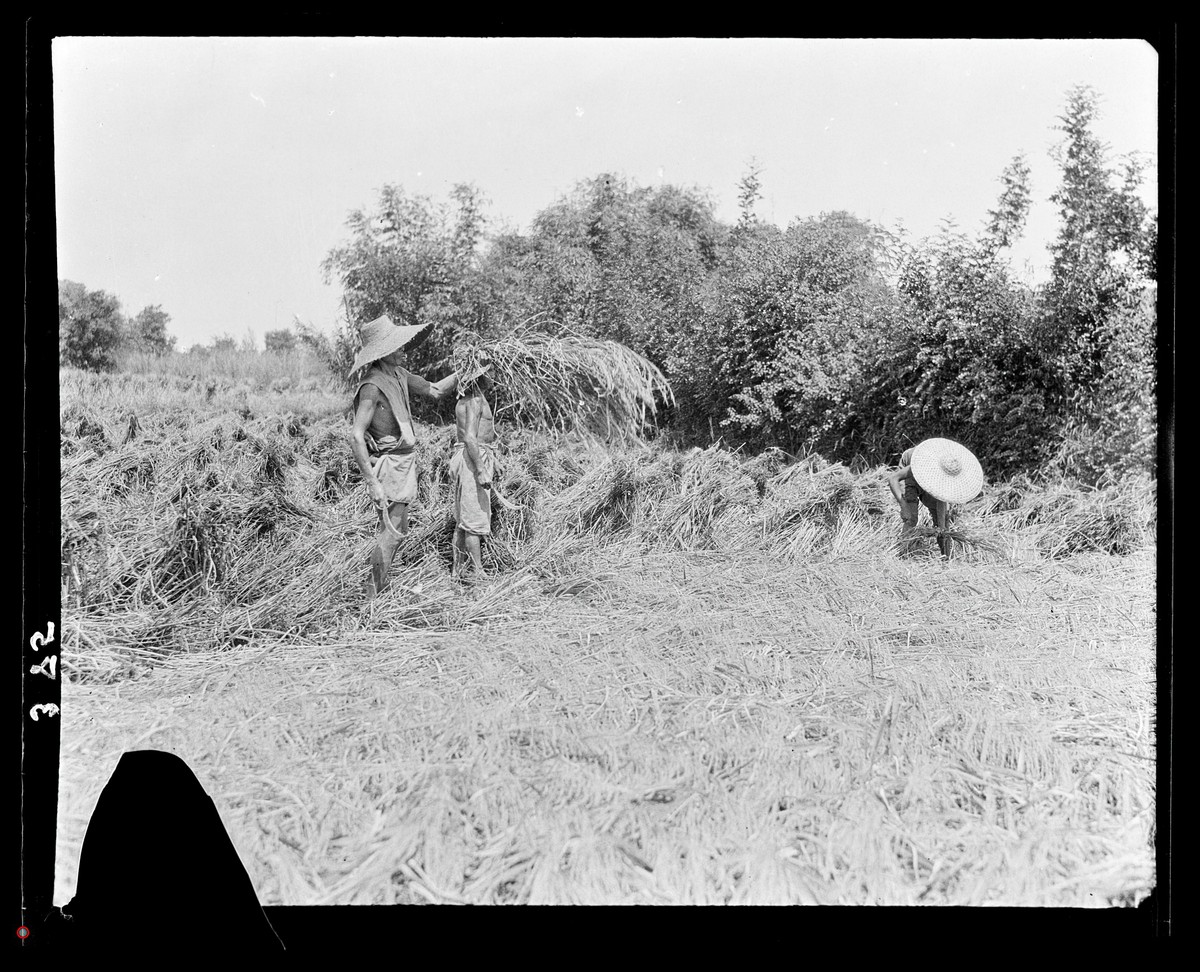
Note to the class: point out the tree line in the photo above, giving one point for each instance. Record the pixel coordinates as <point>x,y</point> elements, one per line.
<point>831,335</point>
<point>93,331</point>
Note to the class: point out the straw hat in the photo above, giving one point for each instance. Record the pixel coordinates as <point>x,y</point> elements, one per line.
<point>381,337</point>
<point>947,471</point>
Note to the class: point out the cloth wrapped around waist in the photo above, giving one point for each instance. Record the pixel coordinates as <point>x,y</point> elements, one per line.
<point>388,445</point>
<point>472,502</point>
<point>394,463</point>
<point>487,455</point>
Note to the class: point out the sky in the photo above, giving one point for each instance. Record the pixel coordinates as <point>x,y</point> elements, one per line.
<point>211,176</point>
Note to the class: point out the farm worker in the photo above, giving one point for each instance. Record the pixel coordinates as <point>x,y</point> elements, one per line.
<point>473,461</point>
<point>935,472</point>
<point>383,439</point>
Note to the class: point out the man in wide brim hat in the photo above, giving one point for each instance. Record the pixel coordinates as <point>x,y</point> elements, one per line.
<point>936,472</point>
<point>383,438</point>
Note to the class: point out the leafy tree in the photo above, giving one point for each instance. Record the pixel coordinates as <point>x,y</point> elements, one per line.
<point>790,319</point>
<point>1007,221</point>
<point>148,331</point>
<point>962,360</point>
<point>223,342</point>
<point>749,192</point>
<point>614,260</point>
<point>91,328</point>
<point>1098,310</point>
<point>280,341</point>
<point>413,260</point>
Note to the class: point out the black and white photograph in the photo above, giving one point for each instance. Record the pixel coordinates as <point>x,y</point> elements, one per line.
<point>612,470</point>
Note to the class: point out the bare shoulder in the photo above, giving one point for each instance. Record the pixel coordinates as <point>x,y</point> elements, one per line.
<point>365,401</point>
<point>369,393</point>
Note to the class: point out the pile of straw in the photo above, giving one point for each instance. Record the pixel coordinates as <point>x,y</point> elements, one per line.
<point>208,521</point>
<point>569,382</point>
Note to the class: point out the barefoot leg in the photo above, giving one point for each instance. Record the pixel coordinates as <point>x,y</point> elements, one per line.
<point>474,549</point>
<point>386,544</point>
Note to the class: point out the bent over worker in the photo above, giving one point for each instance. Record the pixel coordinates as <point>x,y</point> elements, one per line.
<point>935,473</point>
<point>383,439</point>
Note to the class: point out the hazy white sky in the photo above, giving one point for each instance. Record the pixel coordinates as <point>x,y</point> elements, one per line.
<point>212,175</point>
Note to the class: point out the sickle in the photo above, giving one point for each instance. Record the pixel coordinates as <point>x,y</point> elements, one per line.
<point>387,522</point>
<point>505,501</point>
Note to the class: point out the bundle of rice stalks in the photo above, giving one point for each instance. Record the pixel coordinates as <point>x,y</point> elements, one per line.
<point>270,457</point>
<point>965,540</point>
<point>1066,518</point>
<point>706,485</point>
<point>197,550</point>
<point>79,430</point>
<point>766,466</point>
<point>570,382</point>
<point>602,501</point>
<point>339,475</point>
<point>81,543</point>
<point>553,461</point>
<point>1106,521</point>
<point>817,492</point>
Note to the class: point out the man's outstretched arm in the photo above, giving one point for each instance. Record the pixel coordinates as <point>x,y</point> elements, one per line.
<point>433,389</point>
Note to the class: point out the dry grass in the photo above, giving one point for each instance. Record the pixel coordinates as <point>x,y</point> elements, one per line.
<point>259,368</point>
<point>569,382</point>
<point>696,679</point>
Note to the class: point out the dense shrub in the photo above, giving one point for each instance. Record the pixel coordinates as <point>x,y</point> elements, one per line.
<point>828,336</point>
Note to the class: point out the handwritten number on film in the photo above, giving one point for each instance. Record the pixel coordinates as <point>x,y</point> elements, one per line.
<point>48,667</point>
<point>37,639</point>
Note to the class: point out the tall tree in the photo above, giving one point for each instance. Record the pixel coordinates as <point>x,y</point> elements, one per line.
<point>1007,221</point>
<point>1099,312</point>
<point>749,193</point>
<point>148,331</point>
<point>789,320</point>
<point>91,327</point>
<point>412,259</point>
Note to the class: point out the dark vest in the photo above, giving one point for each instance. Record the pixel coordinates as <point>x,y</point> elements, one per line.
<point>395,390</point>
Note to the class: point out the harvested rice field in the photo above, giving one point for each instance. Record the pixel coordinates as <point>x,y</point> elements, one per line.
<point>695,677</point>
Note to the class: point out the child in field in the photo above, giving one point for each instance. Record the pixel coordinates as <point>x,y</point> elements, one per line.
<point>473,462</point>
<point>936,473</point>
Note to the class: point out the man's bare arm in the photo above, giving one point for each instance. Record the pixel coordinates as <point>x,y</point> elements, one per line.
<point>367,400</point>
<point>433,389</point>
<point>894,483</point>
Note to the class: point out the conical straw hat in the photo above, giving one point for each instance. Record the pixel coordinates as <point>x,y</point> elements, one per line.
<point>381,337</point>
<point>947,471</point>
